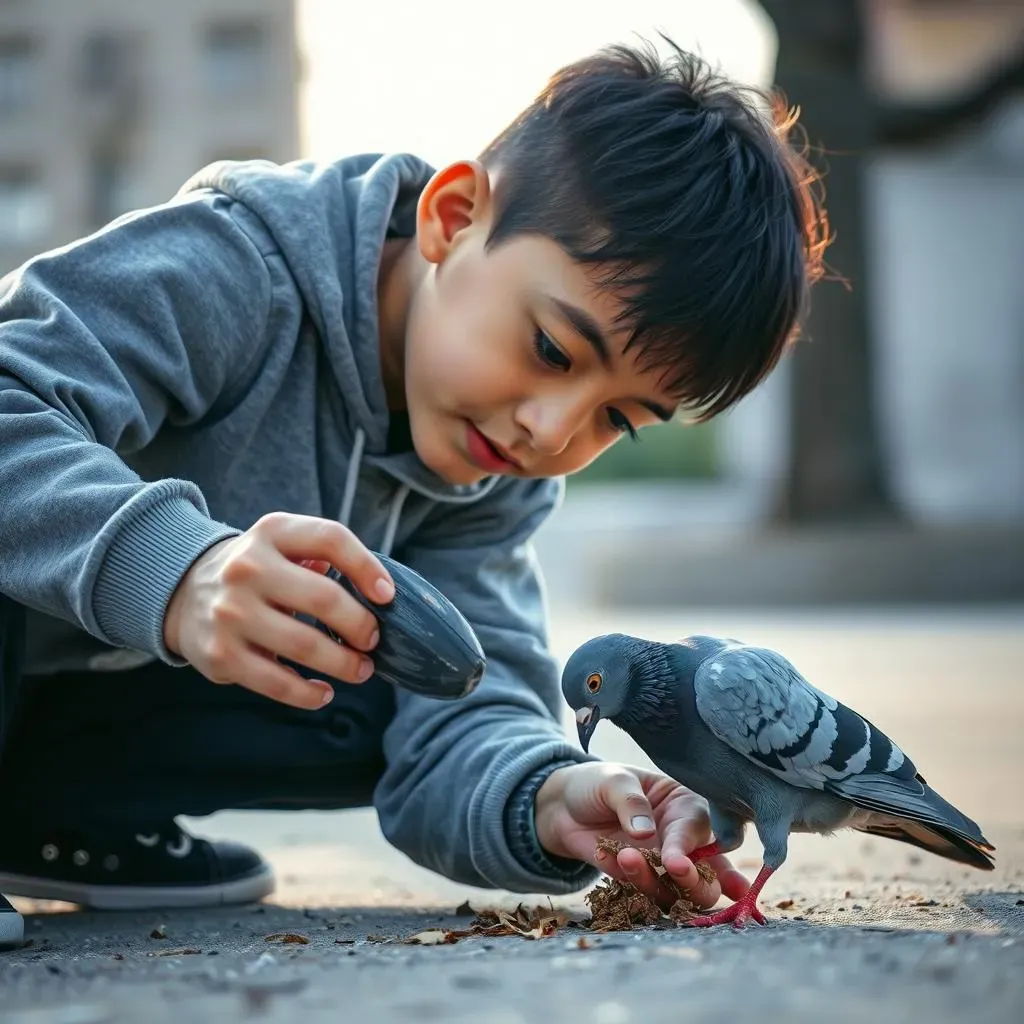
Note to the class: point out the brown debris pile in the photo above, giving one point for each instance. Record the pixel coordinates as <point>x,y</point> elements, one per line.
<point>619,906</point>
<point>538,923</point>
<point>614,906</point>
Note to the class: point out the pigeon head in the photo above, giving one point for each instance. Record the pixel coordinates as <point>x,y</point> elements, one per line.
<point>617,677</point>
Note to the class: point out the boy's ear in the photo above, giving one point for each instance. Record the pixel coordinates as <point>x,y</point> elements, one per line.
<point>455,198</point>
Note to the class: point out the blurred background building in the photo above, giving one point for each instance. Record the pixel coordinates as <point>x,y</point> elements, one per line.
<point>883,461</point>
<point>108,105</point>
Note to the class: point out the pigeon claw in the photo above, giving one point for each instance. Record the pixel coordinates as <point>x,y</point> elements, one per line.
<point>738,914</point>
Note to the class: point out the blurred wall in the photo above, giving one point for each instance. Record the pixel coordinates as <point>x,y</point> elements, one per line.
<point>948,261</point>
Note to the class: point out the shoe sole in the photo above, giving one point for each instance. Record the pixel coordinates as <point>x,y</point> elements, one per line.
<point>247,889</point>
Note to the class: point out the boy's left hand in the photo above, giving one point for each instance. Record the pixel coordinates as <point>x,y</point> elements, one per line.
<point>577,805</point>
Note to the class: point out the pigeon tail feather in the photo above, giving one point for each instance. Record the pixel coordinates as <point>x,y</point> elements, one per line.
<point>935,839</point>
<point>920,816</point>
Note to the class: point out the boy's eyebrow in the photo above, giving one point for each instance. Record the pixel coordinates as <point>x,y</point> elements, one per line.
<point>586,326</point>
<point>589,329</point>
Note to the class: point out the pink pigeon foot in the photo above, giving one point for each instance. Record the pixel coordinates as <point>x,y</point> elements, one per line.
<point>739,913</point>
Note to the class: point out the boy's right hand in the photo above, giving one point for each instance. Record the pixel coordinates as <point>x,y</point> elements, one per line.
<point>231,615</point>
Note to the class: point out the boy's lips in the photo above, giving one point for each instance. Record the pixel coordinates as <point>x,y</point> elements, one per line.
<point>486,454</point>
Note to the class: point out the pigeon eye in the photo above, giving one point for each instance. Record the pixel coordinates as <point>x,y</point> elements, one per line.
<point>594,682</point>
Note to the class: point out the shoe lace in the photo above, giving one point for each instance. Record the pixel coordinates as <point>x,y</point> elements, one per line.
<point>179,844</point>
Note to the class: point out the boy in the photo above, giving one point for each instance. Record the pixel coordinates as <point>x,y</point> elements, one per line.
<point>207,402</point>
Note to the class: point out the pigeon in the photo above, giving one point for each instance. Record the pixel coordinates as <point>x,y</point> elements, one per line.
<point>740,726</point>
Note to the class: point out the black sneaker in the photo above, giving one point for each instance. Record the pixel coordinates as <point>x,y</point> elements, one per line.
<point>110,870</point>
<point>12,926</point>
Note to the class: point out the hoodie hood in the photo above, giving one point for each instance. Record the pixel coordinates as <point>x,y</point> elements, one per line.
<point>330,221</point>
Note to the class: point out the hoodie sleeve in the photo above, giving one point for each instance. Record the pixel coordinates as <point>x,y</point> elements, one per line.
<point>152,321</point>
<point>457,793</point>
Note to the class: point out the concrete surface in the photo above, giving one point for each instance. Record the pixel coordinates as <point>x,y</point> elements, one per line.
<point>876,931</point>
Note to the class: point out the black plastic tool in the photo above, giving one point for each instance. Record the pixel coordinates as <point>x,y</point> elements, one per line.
<point>426,645</point>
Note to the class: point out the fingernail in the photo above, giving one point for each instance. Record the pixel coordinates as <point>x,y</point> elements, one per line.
<point>641,823</point>
<point>374,639</point>
<point>327,697</point>
<point>384,589</point>
<point>365,670</point>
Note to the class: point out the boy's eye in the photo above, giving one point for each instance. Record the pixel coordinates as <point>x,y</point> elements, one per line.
<point>548,352</point>
<point>621,423</point>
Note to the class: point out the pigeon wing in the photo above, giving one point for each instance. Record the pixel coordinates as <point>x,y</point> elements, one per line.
<point>755,701</point>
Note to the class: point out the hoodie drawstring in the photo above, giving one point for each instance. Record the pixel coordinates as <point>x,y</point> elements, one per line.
<point>396,510</point>
<point>352,477</point>
<point>349,497</point>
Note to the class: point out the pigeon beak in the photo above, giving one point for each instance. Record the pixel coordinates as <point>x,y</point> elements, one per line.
<point>586,722</point>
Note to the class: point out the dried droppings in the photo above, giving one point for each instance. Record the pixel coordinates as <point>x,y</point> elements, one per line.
<point>288,938</point>
<point>784,904</point>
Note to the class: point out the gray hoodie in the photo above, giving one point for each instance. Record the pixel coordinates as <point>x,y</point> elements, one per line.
<point>172,378</point>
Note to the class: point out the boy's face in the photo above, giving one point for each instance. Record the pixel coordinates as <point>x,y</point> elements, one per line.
<point>511,363</point>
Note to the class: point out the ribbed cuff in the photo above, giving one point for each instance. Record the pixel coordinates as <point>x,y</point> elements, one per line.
<point>521,830</point>
<point>532,870</point>
<point>143,566</point>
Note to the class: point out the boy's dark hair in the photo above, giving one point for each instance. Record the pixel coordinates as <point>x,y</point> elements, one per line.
<point>688,199</point>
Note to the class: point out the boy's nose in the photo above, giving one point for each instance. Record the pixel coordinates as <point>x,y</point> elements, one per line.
<point>550,425</point>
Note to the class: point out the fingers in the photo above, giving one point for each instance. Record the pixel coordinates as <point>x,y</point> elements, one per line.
<point>232,614</point>
<point>270,678</point>
<point>308,537</point>
<point>631,866</point>
<point>623,794</point>
<point>297,589</point>
<point>635,869</point>
<point>289,638</point>
<point>689,827</point>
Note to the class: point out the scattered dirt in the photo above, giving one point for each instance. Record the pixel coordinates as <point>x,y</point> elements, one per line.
<point>535,923</point>
<point>614,906</point>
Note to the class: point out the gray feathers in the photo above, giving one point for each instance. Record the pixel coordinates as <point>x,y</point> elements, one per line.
<point>754,700</point>
<point>742,727</point>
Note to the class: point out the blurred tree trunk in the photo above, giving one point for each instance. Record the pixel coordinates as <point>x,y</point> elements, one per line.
<point>837,470</point>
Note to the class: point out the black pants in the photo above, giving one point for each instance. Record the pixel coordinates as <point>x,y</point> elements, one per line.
<point>111,748</point>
